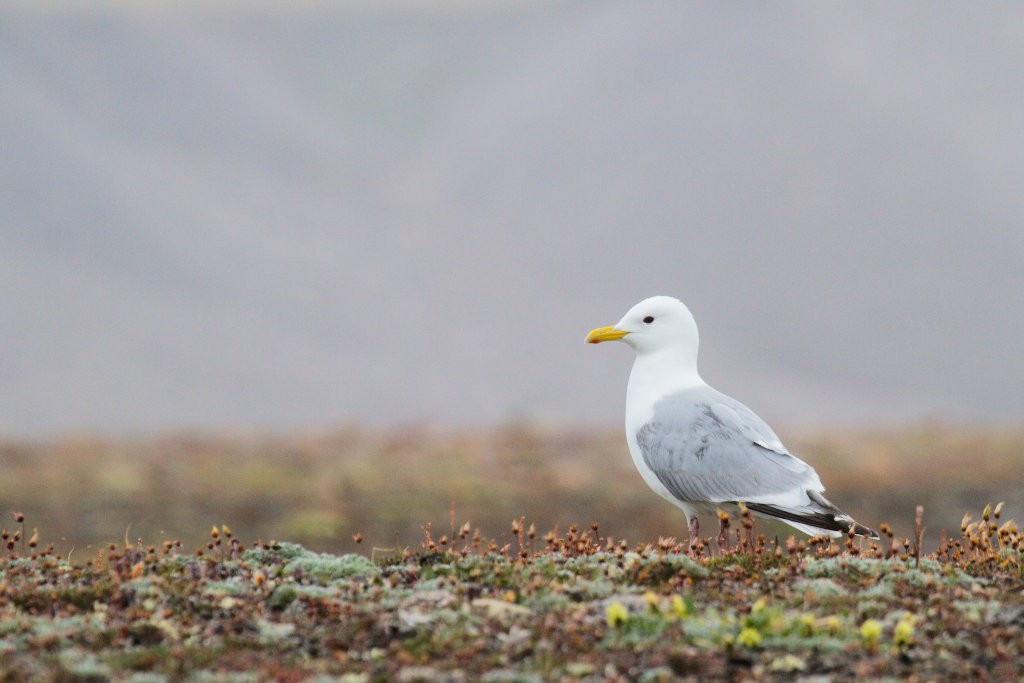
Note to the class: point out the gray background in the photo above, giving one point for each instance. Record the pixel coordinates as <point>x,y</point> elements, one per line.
<point>387,213</point>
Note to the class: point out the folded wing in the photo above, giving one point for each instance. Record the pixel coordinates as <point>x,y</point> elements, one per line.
<point>707,447</point>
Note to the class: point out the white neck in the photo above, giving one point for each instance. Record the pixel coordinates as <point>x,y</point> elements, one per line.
<point>655,375</point>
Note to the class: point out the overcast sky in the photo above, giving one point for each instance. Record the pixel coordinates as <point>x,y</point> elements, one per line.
<point>215,216</point>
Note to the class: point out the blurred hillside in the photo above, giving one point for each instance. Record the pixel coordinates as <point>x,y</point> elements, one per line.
<point>321,489</point>
<point>278,215</point>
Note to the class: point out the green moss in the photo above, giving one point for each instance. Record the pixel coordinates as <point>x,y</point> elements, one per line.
<point>271,631</point>
<point>871,608</point>
<point>814,643</point>
<point>820,589</point>
<point>226,677</point>
<point>143,658</point>
<point>331,567</point>
<point>282,597</point>
<point>81,666</point>
<point>546,601</point>
<point>146,677</point>
<point>657,675</point>
<point>510,676</point>
<point>275,553</point>
<point>667,565</point>
<point>233,586</point>
<point>848,568</point>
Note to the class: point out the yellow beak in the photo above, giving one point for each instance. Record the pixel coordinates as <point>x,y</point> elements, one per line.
<point>602,334</point>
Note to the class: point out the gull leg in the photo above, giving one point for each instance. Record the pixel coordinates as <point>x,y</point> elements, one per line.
<point>694,528</point>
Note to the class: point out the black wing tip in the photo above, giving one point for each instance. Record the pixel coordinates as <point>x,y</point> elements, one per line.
<point>819,520</point>
<point>866,532</point>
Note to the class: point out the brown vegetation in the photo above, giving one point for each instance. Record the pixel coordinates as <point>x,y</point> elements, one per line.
<point>323,489</point>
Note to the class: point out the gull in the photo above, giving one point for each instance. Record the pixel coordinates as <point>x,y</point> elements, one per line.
<point>700,449</point>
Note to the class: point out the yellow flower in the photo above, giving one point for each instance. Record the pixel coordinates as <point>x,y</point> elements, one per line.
<point>758,606</point>
<point>749,637</point>
<point>903,635</point>
<point>679,606</point>
<point>807,624</point>
<point>870,632</point>
<point>652,600</point>
<point>833,625</point>
<point>617,614</point>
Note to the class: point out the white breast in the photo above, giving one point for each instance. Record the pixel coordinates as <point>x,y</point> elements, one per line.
<point>653,377</point>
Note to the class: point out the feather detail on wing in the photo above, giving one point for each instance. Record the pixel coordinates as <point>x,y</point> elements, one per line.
<point>707,447</point>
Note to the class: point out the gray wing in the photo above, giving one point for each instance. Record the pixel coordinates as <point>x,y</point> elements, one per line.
<point>705,446</point>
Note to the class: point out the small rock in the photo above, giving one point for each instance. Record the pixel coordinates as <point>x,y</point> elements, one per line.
<point>413,618</point>
<point>416,673</point>
<point>657,674</point>
<point>579,669</point>
<point>430,598</point>
<point>500,609</point>
<point>411,674</point>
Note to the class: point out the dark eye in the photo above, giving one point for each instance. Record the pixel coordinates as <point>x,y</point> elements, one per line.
<point>649,319</point>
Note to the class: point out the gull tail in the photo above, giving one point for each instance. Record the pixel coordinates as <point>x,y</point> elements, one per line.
<point>820,516</point>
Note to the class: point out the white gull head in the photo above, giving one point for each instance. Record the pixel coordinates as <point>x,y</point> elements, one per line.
<point>663,333</point>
